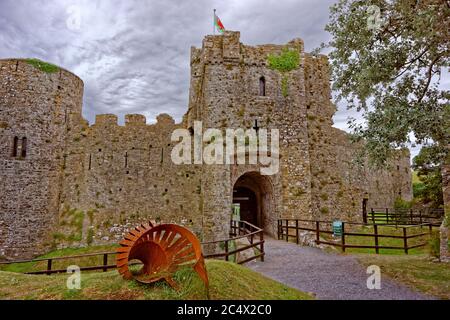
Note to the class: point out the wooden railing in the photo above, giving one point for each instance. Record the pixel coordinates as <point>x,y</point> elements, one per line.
<point>238,230</point>
<point>289,229</point>
<point>404,216</point>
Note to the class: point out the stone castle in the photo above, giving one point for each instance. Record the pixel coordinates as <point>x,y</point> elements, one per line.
<point>64,182</point>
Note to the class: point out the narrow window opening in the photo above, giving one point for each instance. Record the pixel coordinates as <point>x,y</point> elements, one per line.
<point>162,155</point>
<point>262,86</point>
<point>15,145</point>
<point>24,147</point>
<point>126,160</point>
<point>90,161</point>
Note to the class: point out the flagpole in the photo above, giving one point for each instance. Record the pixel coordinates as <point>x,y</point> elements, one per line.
<point>214,23</point>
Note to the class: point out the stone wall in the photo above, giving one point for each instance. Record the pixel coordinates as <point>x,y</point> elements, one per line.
<point>340,177</point>
<point>120,176</point>
<point>88,184</point>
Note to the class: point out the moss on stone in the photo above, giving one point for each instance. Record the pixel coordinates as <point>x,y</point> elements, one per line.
<point>287,61</point>
<point>43,66</point>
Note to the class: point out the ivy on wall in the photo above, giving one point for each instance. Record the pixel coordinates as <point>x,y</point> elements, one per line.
<point>285,62</point>
<point>43,66</point>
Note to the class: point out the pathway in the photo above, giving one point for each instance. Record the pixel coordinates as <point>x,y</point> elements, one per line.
<point>327,275</point>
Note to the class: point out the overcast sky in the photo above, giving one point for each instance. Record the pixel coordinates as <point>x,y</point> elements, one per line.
<point>133,55</point>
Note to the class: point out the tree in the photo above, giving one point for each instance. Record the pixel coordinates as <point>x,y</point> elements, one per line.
<point>427,165</point>
<point>387,58</point>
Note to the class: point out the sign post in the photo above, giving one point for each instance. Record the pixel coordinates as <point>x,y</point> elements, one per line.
<point>337,228</point>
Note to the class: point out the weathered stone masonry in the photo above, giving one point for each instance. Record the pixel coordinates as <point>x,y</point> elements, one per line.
<point>79,184</point>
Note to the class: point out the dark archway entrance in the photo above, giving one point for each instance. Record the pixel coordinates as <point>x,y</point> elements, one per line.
<point>254,193</point>
<point>248,201</point>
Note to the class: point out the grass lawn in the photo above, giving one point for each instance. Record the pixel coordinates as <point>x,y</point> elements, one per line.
<point>414,271</point>
<point>227,281</point>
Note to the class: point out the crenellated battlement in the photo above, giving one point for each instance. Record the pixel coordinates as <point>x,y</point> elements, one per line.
<point>106,120</point>
<point>135,120</point>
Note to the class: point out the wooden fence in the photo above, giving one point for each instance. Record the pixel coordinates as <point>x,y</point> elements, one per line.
<point>404,216</point>
<point>324,228</point>
<point>238,230</point>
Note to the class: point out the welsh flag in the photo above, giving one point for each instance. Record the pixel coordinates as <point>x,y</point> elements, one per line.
<point>218,24</point>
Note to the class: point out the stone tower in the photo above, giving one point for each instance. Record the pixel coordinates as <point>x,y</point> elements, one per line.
<point>232,86</point>
<point>37,109</point>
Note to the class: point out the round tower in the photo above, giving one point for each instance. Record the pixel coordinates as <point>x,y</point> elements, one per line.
<point>37,104</point>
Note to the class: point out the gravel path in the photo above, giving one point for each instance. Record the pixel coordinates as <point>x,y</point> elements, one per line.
<point>329,276</point>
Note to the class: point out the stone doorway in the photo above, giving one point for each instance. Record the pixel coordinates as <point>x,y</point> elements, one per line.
<point>254,193</point>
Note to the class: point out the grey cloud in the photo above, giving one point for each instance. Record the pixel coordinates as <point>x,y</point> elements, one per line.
<point>134,55</point>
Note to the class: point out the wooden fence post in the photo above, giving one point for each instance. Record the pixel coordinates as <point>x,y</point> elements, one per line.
<point>279,229</point>
<point>317,232</point>
<point>49,266</point>
<point>105,262</point>
<point>296,232</point>
<point>387,216</point>
<point>226,250</point>
<point>411,216</point>
<point>420,216</point>
<point>405,240</point>
<point>343,236</point>
<point>375,229</point>
<point>287,230</point>
<point>261,239</point>
<point>373,216</point>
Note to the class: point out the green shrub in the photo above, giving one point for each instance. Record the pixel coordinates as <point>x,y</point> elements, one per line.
<point>287,61</point>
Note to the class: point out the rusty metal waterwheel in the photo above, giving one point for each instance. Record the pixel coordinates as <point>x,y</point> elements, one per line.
<point>162,249</point>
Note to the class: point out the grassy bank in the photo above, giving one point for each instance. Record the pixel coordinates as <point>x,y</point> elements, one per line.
<point>227,281</point>
<point>414,271</point>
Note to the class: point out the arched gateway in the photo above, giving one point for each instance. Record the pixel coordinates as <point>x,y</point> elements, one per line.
<point>254,193</point>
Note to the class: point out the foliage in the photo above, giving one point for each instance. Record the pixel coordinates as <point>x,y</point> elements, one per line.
<point>428,167</point>
<point>43,66</point>
<point>287,61</point>
<point>392,71</point>
<point>401,204</point>
<point>285,86</point>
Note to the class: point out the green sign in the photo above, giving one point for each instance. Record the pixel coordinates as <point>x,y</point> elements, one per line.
<point>337,228</point>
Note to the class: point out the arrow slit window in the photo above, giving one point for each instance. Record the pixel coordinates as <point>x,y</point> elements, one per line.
<point>262,87</point>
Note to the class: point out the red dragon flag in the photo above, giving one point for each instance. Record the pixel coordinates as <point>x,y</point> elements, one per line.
<point>218,24</point>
